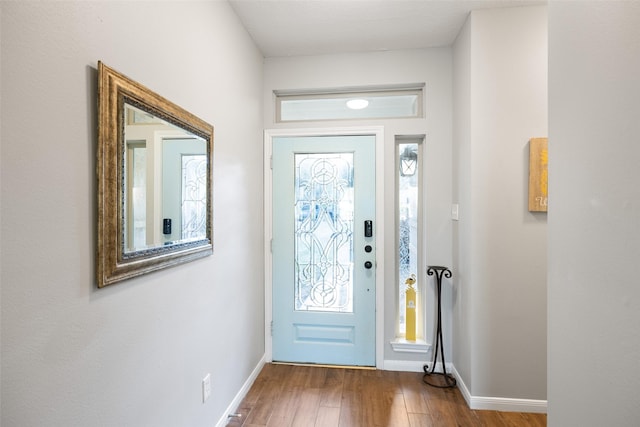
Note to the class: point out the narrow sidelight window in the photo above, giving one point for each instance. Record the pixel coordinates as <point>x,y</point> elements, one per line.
<point>409,224</point>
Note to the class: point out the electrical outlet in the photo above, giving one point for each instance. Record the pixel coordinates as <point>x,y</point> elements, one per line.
<point>206,387</point>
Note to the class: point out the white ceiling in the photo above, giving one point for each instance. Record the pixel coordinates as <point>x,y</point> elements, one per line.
<point>316,27</point>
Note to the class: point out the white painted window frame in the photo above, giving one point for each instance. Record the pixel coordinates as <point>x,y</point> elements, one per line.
<point>416,89</point>
<point>399,343</point>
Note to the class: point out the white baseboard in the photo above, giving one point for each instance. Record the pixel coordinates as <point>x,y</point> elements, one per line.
<point>242,393</point>
<point>504,404</point>
<point>411,366</point>
<point>462,386</point>
<point>509,405</point>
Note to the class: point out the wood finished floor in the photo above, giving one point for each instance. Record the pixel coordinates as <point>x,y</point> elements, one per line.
<point>304,396</point>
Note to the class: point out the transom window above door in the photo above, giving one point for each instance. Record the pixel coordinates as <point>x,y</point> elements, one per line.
<point>353,103</point>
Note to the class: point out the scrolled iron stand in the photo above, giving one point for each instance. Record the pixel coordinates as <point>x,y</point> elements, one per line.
<point>449,380</point>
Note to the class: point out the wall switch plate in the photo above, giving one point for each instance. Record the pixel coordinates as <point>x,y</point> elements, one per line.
<point>206,387</point>
<point>454,212</point>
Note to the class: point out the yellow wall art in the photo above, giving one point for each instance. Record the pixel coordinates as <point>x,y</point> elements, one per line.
<point>538,175</point>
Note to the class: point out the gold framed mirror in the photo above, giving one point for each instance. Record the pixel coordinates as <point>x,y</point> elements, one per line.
<point>155,173</point>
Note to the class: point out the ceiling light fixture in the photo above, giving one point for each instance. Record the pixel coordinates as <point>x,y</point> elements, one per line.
<point>357,104</point>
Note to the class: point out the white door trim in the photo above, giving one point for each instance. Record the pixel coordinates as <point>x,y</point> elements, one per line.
<point>269,134</point>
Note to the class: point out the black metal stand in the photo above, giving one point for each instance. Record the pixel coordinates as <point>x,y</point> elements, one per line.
<point>449,380</point>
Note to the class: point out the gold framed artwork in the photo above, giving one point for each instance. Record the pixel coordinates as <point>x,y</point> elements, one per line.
<point>538,174</point>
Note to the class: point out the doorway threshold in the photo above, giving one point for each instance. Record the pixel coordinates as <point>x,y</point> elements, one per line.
<point>319,365</point>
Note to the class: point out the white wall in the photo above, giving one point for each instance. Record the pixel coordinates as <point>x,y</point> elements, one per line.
<point>132,353</point>
<point>432,67</point>
<point>461,194</point>
<point>500,248</point>
<point>594,217</point>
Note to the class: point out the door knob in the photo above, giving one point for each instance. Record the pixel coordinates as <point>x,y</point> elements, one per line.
<point>368,264</point>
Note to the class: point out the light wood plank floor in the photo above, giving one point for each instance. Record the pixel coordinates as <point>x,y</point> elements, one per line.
<point>303,396</point>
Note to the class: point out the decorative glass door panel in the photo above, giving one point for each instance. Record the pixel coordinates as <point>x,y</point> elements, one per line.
<point>194,196</point>
<point>323,259</point>
<point>323,231</point>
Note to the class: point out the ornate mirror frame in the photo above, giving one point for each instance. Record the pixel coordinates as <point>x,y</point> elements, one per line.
<point>114,263</point>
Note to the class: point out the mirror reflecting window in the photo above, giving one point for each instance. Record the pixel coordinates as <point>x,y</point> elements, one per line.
<point>154,181</point>
<point>165,200</point>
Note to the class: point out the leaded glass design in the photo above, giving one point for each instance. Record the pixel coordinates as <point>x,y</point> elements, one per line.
<point>138,156</point>
<point>194,196</point>
<point>323,232</point>
<point>408,192</point>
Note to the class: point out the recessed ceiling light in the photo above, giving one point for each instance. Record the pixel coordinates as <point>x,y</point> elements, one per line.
<point>357,104</point>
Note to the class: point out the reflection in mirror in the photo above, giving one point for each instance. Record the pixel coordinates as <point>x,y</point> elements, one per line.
<point>165,183</point>
<point>154,181</point>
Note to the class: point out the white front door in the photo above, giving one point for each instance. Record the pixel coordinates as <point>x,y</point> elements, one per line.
<point>324,281</point>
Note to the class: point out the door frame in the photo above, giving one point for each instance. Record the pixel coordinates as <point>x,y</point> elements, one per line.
<point>269,134</point>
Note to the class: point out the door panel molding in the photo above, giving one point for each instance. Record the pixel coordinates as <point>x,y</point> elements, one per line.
<point>269,135</point>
